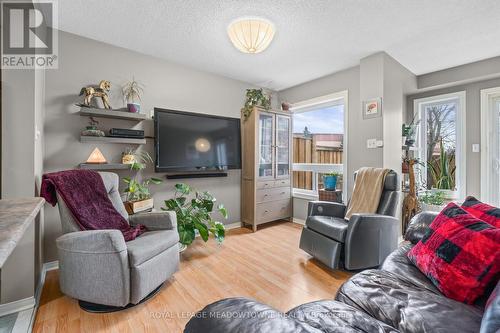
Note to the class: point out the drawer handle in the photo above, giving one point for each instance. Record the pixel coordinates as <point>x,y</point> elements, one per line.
<point>265,195</point>
<point>283,192</point>
<point>266,211</point>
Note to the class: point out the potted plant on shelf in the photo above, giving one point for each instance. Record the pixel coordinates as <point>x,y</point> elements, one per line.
<point>194,215</point>
<point>132,92</point>
<point>330,180</point>
<point>138,197</point>
<point>432,201</point>
<point>255,97</point>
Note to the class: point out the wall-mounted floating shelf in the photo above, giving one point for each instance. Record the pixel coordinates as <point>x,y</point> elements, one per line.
<point>115,114</point>
<point>108,139</point>
<point>104,166</point>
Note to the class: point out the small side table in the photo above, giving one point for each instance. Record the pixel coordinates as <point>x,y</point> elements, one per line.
<point>332,196</point>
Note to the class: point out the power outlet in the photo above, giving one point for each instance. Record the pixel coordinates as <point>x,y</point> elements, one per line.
<point>476,148</point>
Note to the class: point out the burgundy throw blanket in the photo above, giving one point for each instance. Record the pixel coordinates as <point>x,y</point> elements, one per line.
<point>84,193</point>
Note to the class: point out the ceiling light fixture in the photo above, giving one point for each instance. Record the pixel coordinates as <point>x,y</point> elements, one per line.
<point>251,35</point>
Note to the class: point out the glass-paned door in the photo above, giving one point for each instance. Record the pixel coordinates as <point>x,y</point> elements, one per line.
<point>282,146</point>
<point>265,161</point>
<point>490,169</point>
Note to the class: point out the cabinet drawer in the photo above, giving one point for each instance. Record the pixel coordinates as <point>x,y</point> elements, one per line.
<point>274,210</point>
<point>267,184</point>
<point>282,183</point>
<point>273,194</point>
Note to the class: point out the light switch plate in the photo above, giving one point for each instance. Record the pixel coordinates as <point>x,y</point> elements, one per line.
<point>371,143</point>
<point>476,148</point>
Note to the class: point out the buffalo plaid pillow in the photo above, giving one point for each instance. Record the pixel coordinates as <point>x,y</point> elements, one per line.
<point>482,211</point>
<point>460,254</point>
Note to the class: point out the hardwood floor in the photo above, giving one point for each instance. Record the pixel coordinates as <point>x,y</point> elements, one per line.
<point>267,266</point>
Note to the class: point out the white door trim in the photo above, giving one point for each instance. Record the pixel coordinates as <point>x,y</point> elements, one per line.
<point>486,129</point>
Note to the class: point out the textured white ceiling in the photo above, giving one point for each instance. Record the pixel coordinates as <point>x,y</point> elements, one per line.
<point>314,37</point>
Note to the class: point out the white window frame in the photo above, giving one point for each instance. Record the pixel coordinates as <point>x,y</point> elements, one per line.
<point>460,149</point>
<point>487,127</point>
<point>316,168</point>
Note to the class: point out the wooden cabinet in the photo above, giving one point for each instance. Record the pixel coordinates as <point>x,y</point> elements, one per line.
<point>266,186</point>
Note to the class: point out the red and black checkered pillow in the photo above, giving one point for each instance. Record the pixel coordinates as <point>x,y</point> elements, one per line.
<point>482,211</point>
<point>460,254</point>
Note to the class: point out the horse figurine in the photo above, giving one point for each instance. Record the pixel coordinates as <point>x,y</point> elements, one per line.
<point>101,91</point>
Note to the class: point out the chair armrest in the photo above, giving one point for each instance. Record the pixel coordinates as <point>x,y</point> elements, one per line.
<point>92,241</point>
<point>166,220</point>
<point>370,238</point>
<point>326,208</point>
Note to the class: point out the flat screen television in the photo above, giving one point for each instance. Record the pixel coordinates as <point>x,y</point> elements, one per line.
<point>193,142</point>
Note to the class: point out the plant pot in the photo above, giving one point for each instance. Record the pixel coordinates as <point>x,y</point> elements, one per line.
<point>431,208</point>
<point>182,247</point>
<point>134,207</point>
<point>134,107</point>
<point>449,195</point>
<point>330,182</point>
<point>128,159</point>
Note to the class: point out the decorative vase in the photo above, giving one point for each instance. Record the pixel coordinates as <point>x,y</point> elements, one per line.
<point>431,208</point>
<point>330,182</point>
<point>448,195</point>
<point>134,107</point>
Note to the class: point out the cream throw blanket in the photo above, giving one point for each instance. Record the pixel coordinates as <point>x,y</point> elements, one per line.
<point>367,191</point>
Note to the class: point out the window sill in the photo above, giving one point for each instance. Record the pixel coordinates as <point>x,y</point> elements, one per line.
<point>304,194</point>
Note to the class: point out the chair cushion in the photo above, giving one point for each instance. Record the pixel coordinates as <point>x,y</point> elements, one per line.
<point>482,211</point>
<point>150,244</point>
<point>332,227</point>
<point>460,254</point>
<point>394,300</point>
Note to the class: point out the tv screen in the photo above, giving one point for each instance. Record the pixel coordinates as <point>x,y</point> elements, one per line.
<point>187,141</point>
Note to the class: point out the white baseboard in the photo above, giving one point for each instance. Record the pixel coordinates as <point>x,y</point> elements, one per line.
<point>298,221</point>
<point>17,306</point>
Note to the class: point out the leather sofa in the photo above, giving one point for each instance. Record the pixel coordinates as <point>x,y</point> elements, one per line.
<point>363,241</point>
<point>397,297</point>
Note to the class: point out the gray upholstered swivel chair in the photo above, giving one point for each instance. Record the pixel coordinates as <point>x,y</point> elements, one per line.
<point>362,242</point>
<point>98,267</point>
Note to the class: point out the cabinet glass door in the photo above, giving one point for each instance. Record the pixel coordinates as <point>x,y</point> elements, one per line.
<point>265,161</point>
<point>282,147</point>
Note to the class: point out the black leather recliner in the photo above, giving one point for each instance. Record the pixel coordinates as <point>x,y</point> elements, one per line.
<point>363,241</point>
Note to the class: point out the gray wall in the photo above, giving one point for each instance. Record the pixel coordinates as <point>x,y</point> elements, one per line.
<point>473,124</point>
<point>82,62</point>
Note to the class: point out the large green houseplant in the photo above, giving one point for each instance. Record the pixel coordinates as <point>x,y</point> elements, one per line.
<point>194,214</point>
<point>442,172</point>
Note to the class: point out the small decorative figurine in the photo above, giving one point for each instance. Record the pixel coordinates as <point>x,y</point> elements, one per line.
<point>101,91</point>
<point>91,129</point>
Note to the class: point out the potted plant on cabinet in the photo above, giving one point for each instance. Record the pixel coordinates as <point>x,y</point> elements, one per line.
<point>132,92</point>
<point>330,180</point>
<point>194,215</point>
<point>255,97</point>
<point>138,197</point>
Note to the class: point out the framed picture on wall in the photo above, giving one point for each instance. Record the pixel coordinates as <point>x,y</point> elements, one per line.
<point>372,108</point>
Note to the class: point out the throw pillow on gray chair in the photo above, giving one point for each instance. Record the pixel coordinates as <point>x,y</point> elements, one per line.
<point>106,273</point>
<point>361,242</point>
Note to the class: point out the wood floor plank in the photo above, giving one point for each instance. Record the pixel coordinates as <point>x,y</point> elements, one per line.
<point>267,266</point>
